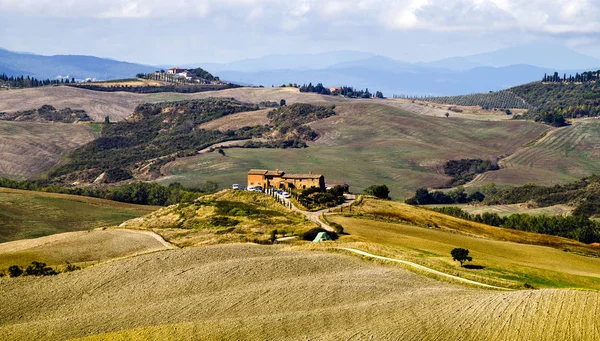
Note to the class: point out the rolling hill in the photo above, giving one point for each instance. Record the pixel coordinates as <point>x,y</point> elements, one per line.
<point>257,292</point>
<point>27,214</point>
<point>368,143</point>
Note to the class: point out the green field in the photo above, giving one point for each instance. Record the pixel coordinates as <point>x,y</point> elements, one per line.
<point>508,258</point>
<point>564,155</point>
<point>26,214</point>
<point>368,144</point>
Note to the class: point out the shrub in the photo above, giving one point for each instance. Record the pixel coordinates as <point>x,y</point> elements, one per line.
<point>379,191</point>
<point>223,221</point>
<point>39,269</point>
<point>15,271</point>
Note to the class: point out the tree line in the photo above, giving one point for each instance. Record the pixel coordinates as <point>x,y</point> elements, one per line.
<point>346,91</point>
<point>588,76</point>
<point>141,193</point>
<point>579,227</point>
<point>31,82</point>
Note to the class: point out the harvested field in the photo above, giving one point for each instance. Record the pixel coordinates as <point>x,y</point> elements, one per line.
<point>28,149</point>
<point>561,156</point>
<point>258,292</point>
<point>239,120</point>
<point>502,257</point>
<point>505,210</point>
<point>28,214</point>
<point>366,144</point>
<point>440,110</point>
<point>119,105</point>
<point>83,248</point>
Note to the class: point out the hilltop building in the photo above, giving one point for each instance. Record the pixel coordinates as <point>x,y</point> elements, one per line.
<point>175,70</point>
<point>278,179</point>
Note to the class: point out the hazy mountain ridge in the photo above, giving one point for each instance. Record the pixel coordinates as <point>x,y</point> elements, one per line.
<point>73,66</point>
<point>484,72</point>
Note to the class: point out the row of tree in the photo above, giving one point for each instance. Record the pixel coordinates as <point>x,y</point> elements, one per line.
<point>580,228</point>
<point>588,76</point>
<point>141,193</point>
<point>346,91</point>
<point>30,82</point>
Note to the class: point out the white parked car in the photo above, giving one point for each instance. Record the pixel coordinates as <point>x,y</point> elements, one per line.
<point>286,195</point>
<point>235,186</point>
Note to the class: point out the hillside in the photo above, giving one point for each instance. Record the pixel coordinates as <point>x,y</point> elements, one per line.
<point>367,143</point>
<point>562,155</point>
<point>81,248</point>
<point>257,292</point>
<point>501,256</point>
<point>224,217</point>
<point>30,149</point>
<point>27,214</point>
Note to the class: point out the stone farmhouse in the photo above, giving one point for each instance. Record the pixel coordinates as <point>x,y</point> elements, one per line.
<point>279,179</point>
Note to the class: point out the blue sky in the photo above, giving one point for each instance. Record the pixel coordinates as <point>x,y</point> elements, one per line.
<point>188,31</point>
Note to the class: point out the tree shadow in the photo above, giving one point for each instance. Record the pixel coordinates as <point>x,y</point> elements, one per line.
<point>473,267</point>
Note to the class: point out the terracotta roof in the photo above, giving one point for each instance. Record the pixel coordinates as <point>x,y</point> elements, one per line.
<point>274,173</point>
<point>302,176</point>
<point>257,172</point>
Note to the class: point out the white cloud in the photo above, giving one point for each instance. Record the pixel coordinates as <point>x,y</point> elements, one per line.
<point>549,17</point>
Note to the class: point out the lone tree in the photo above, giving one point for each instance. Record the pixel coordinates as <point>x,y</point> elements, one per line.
<point>461,255</point>
<point>221,151</point>
<point>379,191</point>
<point>282,103</point>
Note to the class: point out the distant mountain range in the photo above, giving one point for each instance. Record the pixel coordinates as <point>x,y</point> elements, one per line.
<point>73,66</point>
<point>451,76</point>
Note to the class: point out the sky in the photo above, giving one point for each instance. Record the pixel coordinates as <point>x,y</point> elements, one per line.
<point>172,32</point>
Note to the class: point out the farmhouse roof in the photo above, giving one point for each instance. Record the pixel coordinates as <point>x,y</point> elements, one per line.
<point>302,176</point>
<point>276,172</point>
<point>257,172</point>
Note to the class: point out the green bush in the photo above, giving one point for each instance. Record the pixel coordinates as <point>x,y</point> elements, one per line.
<point>379,191</point>
<point>223,221</point>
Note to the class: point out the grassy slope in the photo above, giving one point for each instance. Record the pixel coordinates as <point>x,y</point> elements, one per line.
<point>26,214</point>
<point>564,155</point>
<point>258,292</point>
<point>28,149</point>
<point>507,258</point>
<point>256,215</point>
<point>81,248</point>
<point>366,144</point>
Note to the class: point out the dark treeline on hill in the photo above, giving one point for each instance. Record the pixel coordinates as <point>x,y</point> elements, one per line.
<point>588,76</point>
<point>457,196</point>
<point>580,228</point>
<point>47,113</point>
<point>30,82</point>
<point>154,131</point>
<point>554,101</point>
<point>141,193</point>
<point>583,194</point>
<point>346,91</point>
<point>148,89</point>
<point>464,170</point>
